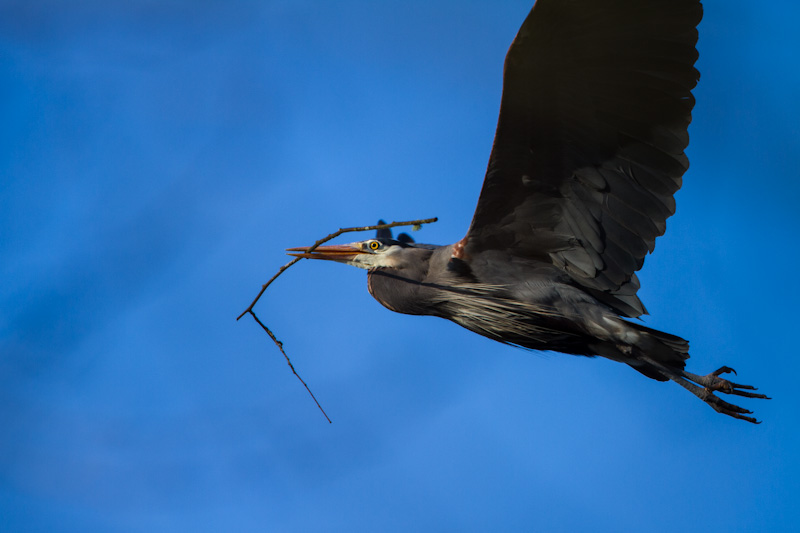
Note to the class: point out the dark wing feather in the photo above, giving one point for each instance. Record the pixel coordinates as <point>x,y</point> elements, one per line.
<point>589,146</point>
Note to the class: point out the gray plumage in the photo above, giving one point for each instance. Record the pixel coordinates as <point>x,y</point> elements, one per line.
<point>588,153</point>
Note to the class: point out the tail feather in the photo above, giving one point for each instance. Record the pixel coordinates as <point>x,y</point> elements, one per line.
<point>667,349</point>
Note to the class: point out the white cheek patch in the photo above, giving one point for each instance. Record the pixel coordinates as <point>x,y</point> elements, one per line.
<point>364,261</point>
<point>385,259</point>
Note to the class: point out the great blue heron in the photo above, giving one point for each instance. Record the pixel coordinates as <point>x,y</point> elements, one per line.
<point>588,153</point>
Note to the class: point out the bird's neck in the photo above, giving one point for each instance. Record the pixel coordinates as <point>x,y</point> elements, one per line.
<point>397,292</point>
<point>416,287</point>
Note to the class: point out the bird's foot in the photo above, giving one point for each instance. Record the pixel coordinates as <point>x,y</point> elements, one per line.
<point>712,383</point>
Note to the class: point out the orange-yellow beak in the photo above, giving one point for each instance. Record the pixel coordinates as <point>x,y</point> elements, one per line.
<point>338,252</point>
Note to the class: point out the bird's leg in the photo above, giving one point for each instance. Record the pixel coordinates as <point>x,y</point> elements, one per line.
<point>718,404</point>
<point>713,382</point>
<point>704,388</point>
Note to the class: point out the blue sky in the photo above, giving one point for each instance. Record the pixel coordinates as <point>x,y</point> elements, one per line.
<point>158,156</point>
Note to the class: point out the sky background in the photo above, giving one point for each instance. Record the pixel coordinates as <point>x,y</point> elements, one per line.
<point>158,156</point>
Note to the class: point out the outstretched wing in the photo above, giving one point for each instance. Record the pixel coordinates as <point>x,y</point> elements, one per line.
<point>589,146</point>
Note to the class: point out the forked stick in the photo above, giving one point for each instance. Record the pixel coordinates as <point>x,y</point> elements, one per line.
<point>416,225</point>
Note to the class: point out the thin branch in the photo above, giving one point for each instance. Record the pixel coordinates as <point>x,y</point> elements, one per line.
<point>267,284</point>
<point>279,344</point>
<point>416,225</point>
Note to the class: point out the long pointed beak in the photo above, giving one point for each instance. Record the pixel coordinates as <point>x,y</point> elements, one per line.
<point>338,252</point>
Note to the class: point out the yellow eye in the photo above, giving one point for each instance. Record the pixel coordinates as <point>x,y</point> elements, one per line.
<point>374,245</point>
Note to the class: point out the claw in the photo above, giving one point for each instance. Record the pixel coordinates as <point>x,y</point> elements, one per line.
<point>740,386</point>
<point>711,383</point>
<point>721,406</point>
<point>749,394</point>
<point>723,370</point>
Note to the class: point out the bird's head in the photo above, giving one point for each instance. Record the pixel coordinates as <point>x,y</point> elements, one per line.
<point>369,254</point>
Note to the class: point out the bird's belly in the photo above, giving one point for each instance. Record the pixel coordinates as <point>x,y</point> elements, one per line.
<point>536,325</point>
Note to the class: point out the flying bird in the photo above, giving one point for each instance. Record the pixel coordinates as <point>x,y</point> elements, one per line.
<point>587,156</point>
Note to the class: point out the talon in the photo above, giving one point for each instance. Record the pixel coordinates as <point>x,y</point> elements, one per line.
<point>711,383</point>
<point>724,370</point>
